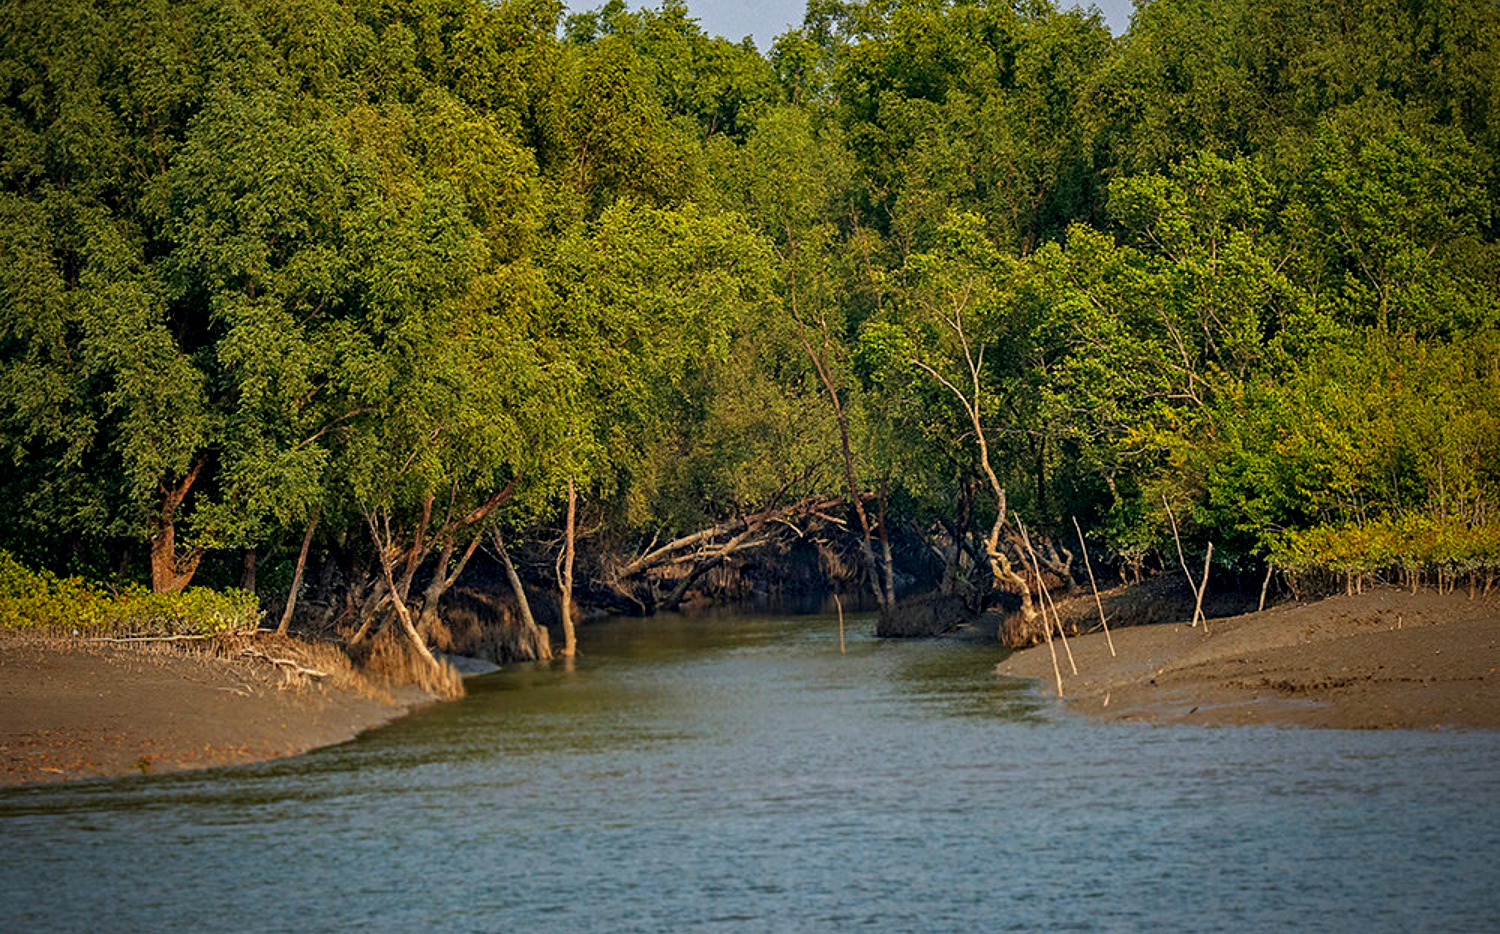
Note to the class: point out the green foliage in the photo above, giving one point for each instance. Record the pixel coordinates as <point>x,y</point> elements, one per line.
<point>271,263</point>
<point>1396,205</point>
<point>651,303</point>
<point>1389,445</point>
<point>39,601</point>
<point>1407,542</point>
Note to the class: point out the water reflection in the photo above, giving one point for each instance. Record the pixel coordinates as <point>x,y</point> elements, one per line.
<point>935,683</point>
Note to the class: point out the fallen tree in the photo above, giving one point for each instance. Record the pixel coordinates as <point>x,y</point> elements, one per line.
<point>660,577</point>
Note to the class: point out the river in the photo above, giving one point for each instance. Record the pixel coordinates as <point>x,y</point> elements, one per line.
<point>741,774</point>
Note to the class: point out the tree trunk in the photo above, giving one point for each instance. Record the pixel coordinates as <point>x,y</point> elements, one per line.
<point>323,590</point>
<point>669,553</point>
<point>949,555</point>
<point>291,597</point>
<point>442,581</point>
<point>956,579</point>
<point>366,608</point>
<point>384,554</point>
<point>536,636</point>
<point>1000,566</point>
<point>872,568</point>
<point>1058,560</point>
<point>700,568</point>
<point>1003,573</point>
<point>427,618</point>
<point>335,580</point>
<point>126,559</point>
<point>407,626</point>
<point>887,565</point>
<point>168,573</point>
<point>565,584</point>
<point>1039,471</point>
<point>247,571</point>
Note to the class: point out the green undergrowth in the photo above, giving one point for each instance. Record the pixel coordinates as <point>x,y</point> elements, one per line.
<point>42,602</point>
<point>1409,543</point>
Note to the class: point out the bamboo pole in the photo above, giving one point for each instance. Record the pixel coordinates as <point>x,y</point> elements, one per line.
<point>1057,617</point>
<point>1046,596</point>
<point>1202,587</point>
<point>1095,587</point>
<point>1056,669</point>
<point>1182,558</point>
<point>840,604</point>
<point>1047,633</point>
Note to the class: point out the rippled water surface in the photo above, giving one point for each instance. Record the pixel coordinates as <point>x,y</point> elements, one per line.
<point>740,774</point>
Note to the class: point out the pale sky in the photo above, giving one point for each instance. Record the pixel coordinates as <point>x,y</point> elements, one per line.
<point>764,20</point>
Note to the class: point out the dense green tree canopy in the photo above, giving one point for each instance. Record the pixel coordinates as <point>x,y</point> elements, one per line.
<point>381,274</point>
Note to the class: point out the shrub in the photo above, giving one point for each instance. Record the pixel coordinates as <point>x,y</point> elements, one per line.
<point>40,601</point>
<point>1410,541</point>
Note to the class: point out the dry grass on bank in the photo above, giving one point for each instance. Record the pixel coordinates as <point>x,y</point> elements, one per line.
<point>283,662</point>
<point>299,664</point>
<point>390,660</point>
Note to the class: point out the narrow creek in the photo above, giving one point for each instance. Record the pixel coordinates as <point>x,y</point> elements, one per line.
<point>739,773</point>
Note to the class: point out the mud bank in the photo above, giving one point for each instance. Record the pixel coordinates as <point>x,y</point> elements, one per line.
<point>73,710</point>
<point>1386,659</point>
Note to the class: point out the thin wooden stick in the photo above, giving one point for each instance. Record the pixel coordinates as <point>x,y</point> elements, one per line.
<point>1057,617</point>
<point>1095,586</point>
<point>840,604</point>
<point>292,664</point>
<point>1265,585</point>
<point>1046,597</point>
<point>1192,584</point>
<point>1047,632</point>
<point>1056,669</point>
<point>1198,608</point>
<point>148,638</point>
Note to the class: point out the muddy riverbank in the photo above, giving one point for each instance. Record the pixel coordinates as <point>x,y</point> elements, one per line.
<point>1386,659</point>
<point>71,709</point>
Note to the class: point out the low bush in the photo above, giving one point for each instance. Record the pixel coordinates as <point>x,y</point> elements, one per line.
<point>39,601</point>
<point>1395,546</point>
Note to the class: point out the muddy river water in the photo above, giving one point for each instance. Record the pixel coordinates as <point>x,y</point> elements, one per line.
<point>739,773</point>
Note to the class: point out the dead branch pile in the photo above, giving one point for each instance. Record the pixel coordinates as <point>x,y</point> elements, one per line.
<point>661,576</point>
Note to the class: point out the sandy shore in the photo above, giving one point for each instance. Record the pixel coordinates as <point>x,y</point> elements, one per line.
<point>70,710</point>
<point>1386,659</point>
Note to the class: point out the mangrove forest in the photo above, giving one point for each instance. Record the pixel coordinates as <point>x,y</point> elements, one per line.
<point>451,321</point>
